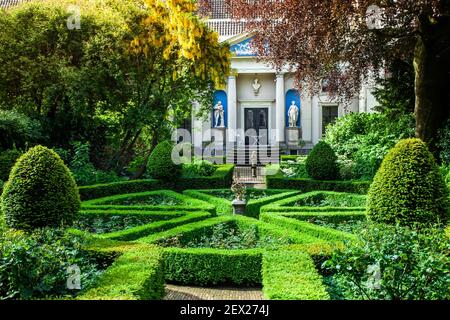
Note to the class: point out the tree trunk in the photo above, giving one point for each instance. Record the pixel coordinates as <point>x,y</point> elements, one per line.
<point>432,68</point>
<point>140,172</point>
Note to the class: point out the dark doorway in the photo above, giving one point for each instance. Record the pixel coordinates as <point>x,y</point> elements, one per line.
<point>256,120</point>
<point>329,116</point>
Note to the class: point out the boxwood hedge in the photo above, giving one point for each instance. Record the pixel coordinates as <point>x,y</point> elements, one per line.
<point>291,275</point>
<point>291,204</point>
<point>222,178</point>
<point>224,206</point>
<point>187,203</point>
<point>173,219</point>
<point>279,181</point>
<point>213,266</point>
<point>138,274</point>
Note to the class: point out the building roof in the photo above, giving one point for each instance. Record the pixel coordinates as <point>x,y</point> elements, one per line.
<point>9,3</point>
<point>219,19</point>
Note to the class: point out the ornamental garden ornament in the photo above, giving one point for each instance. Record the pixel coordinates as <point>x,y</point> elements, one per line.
<point>239,203</point>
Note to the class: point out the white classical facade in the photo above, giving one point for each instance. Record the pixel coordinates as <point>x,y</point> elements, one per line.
<point>260,106</point>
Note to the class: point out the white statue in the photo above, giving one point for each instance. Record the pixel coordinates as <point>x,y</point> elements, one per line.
<point>293,115</point>
<point>256,86</point>
<point>218,115</point>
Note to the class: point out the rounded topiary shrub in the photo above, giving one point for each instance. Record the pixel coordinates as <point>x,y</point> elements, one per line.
<point>40,192</point>
<point>408,188</point>
<point>321,163</point>
<point>160,165</point>
<point>7,160</point>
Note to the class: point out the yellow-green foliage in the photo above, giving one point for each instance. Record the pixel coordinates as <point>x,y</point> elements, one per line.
<point>408,188</point>
<point>40,192</point>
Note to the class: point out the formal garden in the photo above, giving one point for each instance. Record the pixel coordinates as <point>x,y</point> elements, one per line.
<point>94,208</point>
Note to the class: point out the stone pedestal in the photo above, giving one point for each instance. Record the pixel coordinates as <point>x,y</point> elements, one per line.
<point>239,207</point>
<point>219,134</point>
<point>293,136</point>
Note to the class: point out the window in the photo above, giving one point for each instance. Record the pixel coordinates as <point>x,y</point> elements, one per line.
<point>329,116</point>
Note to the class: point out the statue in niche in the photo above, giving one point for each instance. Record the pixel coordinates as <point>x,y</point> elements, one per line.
<point>293,115</point>
<point>256,86</point>
<point>219,115</point>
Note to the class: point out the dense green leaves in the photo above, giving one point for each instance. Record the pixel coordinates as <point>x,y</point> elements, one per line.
<point>160,164</point>
<point>35,265</point>
<point>393,263</point>
<point>361,140</point>
<point>7,160</point>
<point>321,163</point>
<point>213,266</point>
<point>408,188</point>
<point>40,192</point>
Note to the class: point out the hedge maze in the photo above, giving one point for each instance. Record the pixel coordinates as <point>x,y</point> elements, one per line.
<point>161,236</point>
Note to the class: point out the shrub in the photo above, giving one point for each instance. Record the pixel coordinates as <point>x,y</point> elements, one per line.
<point>35,265</point>
<point>321,163</point>
<point>83,170</point>
<point>40,192</point>
<point>363,139</point>
<point>213,266</point>
<point>291,275</point>
<point>160,164</point>
<point>198,168</point>
<point>408,188</point>
<point>17,130</point>
<point>136,275</point>
<point>294,168</point>
<point>393,263</point>
<point>7,160</point>
<point>278,181</point>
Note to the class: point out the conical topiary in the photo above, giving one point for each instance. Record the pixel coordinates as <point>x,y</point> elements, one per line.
<point>160,164</point>
<point>408,188</point>
<point>40,192</point>
<point>321,163</point>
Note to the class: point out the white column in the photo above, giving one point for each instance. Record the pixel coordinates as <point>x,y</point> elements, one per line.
<point>232,108</point>
<point>280,109</point>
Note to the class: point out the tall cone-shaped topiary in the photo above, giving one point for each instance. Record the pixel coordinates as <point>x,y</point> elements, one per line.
<point>408,189</point>
<point>321,163</point>
<point>40,192</point>
<point>160,164</point>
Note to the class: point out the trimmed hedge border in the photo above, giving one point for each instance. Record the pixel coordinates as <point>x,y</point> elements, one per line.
<point>178,219</point>
<point>285,158</point>
<point>193,230</point>
<point>213,266</point>
<point>291,275</point>
<point>123,187</point>
<point>320,232</point>
<point>138,274</point>
<point>283,205</point>
<point>222,178</point>
<point>224,206</point>
<point>189,204</point>
<point>278,181</point>
<point>328,216</point>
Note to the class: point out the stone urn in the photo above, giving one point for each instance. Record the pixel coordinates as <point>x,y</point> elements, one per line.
<point>239,203</point>
<point>239,206</point>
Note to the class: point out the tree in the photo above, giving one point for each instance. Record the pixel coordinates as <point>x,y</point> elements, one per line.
<point>340,41</point>
<point>132,67</point>
<point>176,60</point>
